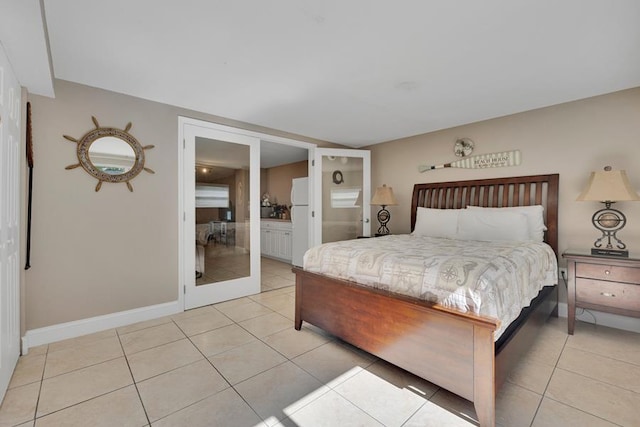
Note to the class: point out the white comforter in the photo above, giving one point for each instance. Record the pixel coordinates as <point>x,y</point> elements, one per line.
<point>495,279</point>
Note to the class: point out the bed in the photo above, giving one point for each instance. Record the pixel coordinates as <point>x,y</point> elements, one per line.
<point>453,349</point>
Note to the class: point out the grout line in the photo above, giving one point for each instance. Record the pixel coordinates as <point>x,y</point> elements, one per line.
<point>583,411</point>
<point>597,380</point>
<point>553,371</point>
<point>133,378</point>
<point>82,402</point>
<point>79,368</point>
<point>44,367</point>
<point>223,377</point>
<point>197,361</point>
<point>607,356</point>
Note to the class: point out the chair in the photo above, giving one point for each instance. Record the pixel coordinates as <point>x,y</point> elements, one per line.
<point>199,261</point>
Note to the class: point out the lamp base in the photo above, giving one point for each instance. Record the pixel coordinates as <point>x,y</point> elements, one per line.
<point>383,218</point>
<point>609,222</point>
<point>610,252</point>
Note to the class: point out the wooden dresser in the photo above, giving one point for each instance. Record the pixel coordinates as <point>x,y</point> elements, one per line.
<point>601,283</point>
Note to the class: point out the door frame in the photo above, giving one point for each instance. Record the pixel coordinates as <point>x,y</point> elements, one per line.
<point>211,293</point>
<point>182,122</point>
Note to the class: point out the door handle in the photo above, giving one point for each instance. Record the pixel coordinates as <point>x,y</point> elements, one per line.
<point>366,220</point>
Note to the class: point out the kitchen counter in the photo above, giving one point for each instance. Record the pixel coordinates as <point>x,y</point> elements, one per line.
<point>275,238</point>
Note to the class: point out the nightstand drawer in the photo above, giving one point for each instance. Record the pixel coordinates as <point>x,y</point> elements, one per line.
<point>601,283</point>
<point>610,294</point>
<point>608,272</point>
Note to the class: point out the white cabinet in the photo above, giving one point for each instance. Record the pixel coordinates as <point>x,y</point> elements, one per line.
<point>275,239</point>
<point>285,245</point>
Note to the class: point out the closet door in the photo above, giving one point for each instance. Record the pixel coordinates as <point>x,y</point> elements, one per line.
<point>342,194</point>
<point>225,264</point>
<point>10,146</point>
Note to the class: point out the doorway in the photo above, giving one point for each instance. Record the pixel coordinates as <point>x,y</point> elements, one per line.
<point>231,221</point>
<point>219,181</point>
<point>233,229</point>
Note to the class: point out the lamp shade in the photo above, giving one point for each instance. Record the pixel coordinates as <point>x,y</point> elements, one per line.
<point>608,186</point>
<point>384,196</point>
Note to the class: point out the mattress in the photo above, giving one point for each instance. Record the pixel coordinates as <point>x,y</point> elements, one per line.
<point>493,279</point>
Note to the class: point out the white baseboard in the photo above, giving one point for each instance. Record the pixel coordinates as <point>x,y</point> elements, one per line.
<point>604,319</point>
<point>35,337</point>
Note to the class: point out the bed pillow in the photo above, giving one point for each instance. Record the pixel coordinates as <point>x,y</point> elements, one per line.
<point>535,218</point>
<point>478,224</point>
<point>437,222</point>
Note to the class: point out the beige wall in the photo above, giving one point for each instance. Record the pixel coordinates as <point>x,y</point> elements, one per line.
<point>571,139</point>
<point>100,253</point>
<point>105,252</point>
<point>279,181</point>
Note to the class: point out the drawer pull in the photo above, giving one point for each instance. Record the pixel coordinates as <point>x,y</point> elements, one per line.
<point>608,294</point>
<point>607,272</point>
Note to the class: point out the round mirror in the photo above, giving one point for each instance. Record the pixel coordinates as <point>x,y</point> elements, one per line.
<point>110,155</point>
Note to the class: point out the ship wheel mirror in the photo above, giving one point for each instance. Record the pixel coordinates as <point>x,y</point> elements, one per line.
<point>110,154</point>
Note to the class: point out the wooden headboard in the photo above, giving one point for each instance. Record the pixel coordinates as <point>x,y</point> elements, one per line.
<point>495,192</point>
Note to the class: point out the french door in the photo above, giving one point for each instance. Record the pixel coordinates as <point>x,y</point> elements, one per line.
<point>220,179</point>
<point>10,149</point>
<point>342,194</point>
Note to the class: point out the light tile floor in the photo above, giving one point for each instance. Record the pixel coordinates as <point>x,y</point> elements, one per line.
<point>241,363</point>
<point>223,262</point>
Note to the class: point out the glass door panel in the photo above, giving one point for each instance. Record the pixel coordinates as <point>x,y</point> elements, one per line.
<point>343,192</point>
<point>223,252</point>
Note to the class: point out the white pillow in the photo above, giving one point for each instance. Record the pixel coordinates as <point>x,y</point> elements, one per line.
<point>437,222</point>
<point>478,224</point>
<point>535,218</point>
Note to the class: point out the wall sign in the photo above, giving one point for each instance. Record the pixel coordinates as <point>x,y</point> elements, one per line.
<point>481,161</point>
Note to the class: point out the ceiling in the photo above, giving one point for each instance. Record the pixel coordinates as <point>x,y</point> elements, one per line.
<point>355,72</point>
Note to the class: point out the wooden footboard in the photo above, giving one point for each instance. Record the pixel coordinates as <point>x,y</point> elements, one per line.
<point>452,350</point>
<point>455,351</point>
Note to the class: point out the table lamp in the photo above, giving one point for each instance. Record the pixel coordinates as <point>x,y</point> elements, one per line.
<point>609,186</point>
<point>384,197</point>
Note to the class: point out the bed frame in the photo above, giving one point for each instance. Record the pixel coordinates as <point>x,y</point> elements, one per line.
<point>453,350</point>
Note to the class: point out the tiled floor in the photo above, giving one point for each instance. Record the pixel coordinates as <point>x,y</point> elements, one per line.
<point>241,363</point>
<point>222,262</point>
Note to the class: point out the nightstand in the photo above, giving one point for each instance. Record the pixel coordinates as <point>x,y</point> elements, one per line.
<point>602,283</point>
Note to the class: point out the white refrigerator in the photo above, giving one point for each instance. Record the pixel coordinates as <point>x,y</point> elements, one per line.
<point>299,219</point>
